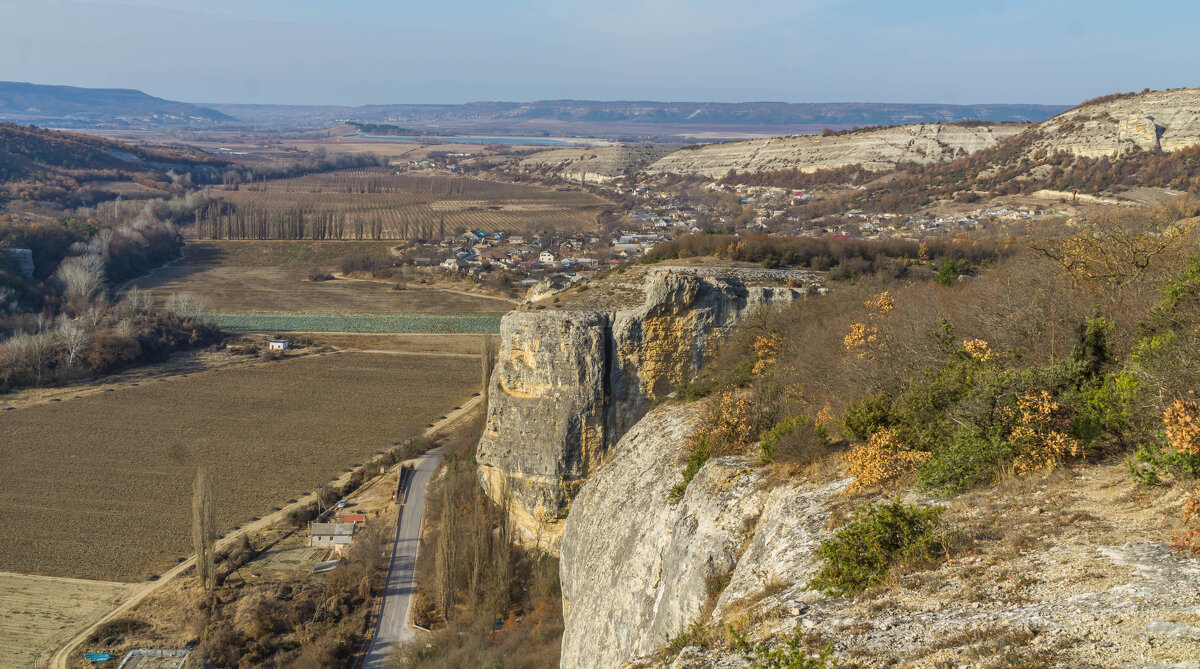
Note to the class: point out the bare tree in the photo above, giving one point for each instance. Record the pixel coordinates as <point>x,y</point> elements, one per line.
<point>39,349</point>
<point>204,530</point>
<point>186,305</point>
<point>94,315</point>
<point>72,337</point>
<point>82,276</point>
<point>446,552</point>
<point>135,299</point>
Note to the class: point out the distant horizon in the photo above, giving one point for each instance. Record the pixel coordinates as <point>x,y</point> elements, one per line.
<point>530,101</point>
<point>310,53</point>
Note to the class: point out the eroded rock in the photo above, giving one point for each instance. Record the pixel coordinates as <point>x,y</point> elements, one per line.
<point>570,381</point>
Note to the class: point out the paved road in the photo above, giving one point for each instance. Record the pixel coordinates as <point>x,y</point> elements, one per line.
<point>401,585</point>
<point>141,591</point>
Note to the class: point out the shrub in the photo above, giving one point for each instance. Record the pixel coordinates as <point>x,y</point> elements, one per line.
<point>967,460</point>
<point>1182,423</point>
<point>317,274</point>
<point>697,634</point>
<point>882,459</point>
<point>865,416</point>
<point>113,631</point>
<point>696,459</point>
<point>791,653</point>
<point>1040,439</point>
<point>797,439</point>
<point>878,538</point>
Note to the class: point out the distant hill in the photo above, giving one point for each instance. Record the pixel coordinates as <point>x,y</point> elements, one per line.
<point>70,106</point>
<point>549,115</point>
<point>876,149</point>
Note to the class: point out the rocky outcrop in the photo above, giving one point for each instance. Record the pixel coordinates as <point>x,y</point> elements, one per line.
<point>1092,583</point>
<point>1163,120</point>
<point>878,150</point>
<point>592,164</point>
<point>637,567</point>
<point>23,258</point>
<point>571,381</point>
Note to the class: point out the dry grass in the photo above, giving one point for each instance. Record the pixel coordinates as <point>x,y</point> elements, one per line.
<point>36,613</point>
<point>100,486</point>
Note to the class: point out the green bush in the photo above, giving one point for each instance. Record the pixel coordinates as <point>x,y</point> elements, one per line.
<point>878,538</point>
<point>1107,408</point>
<point>949,271</point>
<point>967,460</point>
<point>796,439</point>
<point>1153,464</point>
<point>696,460</point>
<point>790,653</point>
<point>863,417</point>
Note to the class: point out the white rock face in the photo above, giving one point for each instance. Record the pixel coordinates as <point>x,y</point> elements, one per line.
<point>785,541</point>
<point>635,566</point>
<point>1165,120</point>
<point>570,382</point>
<point>878,150</point>
<point>593,165</point>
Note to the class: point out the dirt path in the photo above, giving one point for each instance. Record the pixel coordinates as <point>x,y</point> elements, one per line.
<point>140,592</point>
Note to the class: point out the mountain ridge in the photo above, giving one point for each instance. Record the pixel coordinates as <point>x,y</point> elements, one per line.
<point>23,101</point>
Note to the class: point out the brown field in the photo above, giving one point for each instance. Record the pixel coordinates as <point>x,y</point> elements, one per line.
<point>37,613</point>
<point>409,205</point>
<point>99,487</point>
<point>273,276</point>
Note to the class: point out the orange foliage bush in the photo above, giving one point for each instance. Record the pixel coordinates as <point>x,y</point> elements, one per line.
<point>881,459</point>
<point>1182,421</point>
<point>1040,436</point>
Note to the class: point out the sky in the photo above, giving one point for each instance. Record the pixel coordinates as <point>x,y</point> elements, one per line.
<point>353,52</point>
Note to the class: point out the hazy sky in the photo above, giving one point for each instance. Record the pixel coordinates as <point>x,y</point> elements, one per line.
<point>392,51</point>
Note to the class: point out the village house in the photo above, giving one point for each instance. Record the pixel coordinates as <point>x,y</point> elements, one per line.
<point>331,535</point>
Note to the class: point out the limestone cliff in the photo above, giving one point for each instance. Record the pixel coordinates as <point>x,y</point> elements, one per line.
<point>880,149</point>
<point>593,164</point>
<point>1162,120</point>
<point>636,567</point>
<point>1091,582</point>
<point>571,380</point>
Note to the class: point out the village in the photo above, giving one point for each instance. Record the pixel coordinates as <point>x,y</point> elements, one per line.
<point>647,214</point>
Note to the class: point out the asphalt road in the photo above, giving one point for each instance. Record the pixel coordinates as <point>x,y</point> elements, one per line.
<point>393,627</point>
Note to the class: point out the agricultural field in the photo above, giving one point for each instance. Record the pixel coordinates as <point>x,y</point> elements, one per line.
<point>249,321</point>
<point>37,613</point>
<point>99,487</point>
<point>378,203</point>
<point>272,278</point>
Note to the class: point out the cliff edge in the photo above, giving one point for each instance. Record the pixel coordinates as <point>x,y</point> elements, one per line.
<point>571,379</point>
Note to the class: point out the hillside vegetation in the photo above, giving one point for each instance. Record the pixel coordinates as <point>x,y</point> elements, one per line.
<point>977,423</point>
<point>69,169</point>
